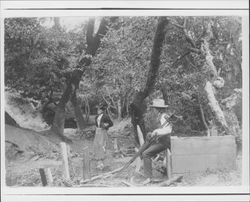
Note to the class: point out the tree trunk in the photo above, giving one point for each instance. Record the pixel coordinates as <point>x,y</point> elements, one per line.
<point>138,106</point>
<point>78,111</point>
<point>204,120</point>
<point>213,80</point>
<point>214,105</point>
<point>74,77</point>
<point>59,119</point>
<point>155,56</point>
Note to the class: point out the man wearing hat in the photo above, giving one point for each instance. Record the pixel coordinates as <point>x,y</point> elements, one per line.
<point>103,123</point>
<point>163,132</point>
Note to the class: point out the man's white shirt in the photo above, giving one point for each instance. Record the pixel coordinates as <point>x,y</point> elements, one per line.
<point>166,127</point>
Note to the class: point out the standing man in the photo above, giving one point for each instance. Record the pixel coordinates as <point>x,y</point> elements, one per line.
<point>103,123</point>
<point>163,132</point>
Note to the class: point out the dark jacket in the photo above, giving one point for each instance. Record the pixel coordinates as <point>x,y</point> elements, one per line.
<point>105,119</point>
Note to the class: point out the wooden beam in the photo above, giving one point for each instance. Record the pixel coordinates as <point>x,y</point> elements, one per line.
<point>128,184</point>
<point>140,135</point>
<point>43,177</point>
<point>116,148</point>
<point>49,176</point>
<point>139,162</point>
<point>86,164</point>
<point>65,160</point>
<point>103,176</point>
<point>169,164</point>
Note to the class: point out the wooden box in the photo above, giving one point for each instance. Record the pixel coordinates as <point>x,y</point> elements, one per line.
<point>195,154</point>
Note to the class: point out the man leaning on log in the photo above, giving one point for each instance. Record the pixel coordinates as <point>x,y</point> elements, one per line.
<point>162,134</point>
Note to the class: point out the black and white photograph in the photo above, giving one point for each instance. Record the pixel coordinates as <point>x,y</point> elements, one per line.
<point>153,101</point>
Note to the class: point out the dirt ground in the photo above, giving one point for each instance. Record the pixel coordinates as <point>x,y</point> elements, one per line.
<point>28,150</point>
<point>24,171</point>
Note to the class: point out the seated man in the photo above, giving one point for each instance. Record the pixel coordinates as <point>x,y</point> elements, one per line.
<point>163,133</point>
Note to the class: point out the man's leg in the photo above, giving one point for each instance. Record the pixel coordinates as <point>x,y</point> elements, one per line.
<point>148,154</point>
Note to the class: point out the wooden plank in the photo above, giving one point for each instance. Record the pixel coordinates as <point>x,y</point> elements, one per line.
<point>128,184</point>
<point>203,145</point>
<point>169,164</point>
<point>140,135</point>
<point>43,177</point>
<point>65,160</point>
<point>47,164</point>
<point>49,176</point>
<point>86,164</point>
<point>139,162</point>
<point>102,176</point>
<point>197,163</point>
<point>116,148</point>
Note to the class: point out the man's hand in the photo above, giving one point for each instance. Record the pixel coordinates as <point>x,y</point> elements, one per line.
<point>149,135</point>
<point>154,133</point>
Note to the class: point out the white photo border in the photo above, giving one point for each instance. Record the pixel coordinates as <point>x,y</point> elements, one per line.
<point>151,8</point>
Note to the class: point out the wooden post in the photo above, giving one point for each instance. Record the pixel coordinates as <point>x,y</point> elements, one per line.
<point>65,160</point>
<point>43,177</point>
<point>140,135</point>
<point>169,164</point>
<point>139,162</point>
<point>116,146</point>
<point>165,163</point>
<point>86,164</point>
<point>49,176</point>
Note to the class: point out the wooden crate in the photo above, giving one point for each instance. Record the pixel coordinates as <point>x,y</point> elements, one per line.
<point>195,154</point>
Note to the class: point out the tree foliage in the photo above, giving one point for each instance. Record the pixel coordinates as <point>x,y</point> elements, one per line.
<point>37,58</point>
<point>122,64</point>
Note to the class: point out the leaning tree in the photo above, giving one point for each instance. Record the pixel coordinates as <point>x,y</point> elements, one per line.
<point>74,76</point>
<point>207,40</point>
<point>137,106</point>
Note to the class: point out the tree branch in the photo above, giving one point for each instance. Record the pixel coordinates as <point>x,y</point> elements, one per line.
<point>180,58</point>
<point>195,50</point>
<point>109,104</point>
<point>184,29</point>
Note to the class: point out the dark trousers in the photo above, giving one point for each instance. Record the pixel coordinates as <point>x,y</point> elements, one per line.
<point>162,144</point>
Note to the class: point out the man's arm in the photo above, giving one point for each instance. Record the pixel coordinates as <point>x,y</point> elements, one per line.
<point>162,131</point>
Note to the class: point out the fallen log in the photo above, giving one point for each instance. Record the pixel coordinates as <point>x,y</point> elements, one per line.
<point>171,181</point>
<point>128,184</point>
<point>68,182</point>
<point>103,176</point>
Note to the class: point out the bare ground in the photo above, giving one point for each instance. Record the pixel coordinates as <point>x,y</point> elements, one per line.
<point>23,169</point>
<point>28,150</point>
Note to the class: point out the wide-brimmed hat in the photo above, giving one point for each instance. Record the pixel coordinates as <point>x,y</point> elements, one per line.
<point>159,103</point>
